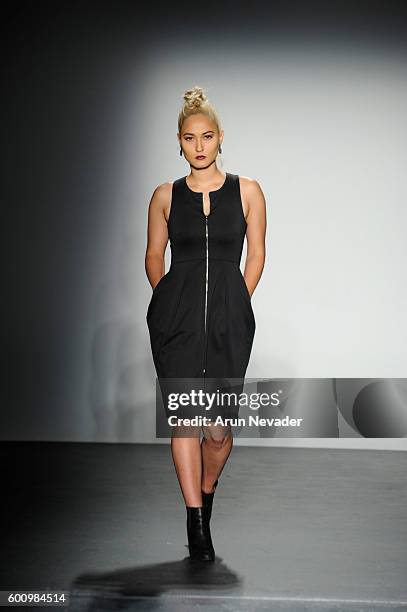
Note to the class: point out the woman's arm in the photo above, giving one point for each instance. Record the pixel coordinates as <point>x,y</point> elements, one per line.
<point>157,233</point>
<point>255,231</point>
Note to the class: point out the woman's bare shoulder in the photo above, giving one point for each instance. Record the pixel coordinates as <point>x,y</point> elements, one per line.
<point>251,191</point>
<point>161,197</point>
<point>162,190</point>
<point>248,183</point>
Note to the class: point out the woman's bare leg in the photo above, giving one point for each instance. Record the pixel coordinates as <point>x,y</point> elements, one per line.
<point>216,447</point>
<point>186,454</point>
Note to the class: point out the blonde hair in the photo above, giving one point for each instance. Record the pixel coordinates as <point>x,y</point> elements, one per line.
<point>195,101</point>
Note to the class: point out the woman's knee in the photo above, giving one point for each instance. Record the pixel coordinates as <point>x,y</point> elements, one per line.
<point>217,437</point>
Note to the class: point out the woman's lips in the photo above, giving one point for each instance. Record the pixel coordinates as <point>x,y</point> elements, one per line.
<point>200,157</point>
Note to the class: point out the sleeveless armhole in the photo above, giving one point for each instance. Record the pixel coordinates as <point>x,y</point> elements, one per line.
<point>171,205</point>
<point>240,198</point>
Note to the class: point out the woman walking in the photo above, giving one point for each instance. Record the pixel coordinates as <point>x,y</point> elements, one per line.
<point>200,317</point>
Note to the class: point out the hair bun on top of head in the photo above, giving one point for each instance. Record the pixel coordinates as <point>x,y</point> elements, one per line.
<point>195,102</point>
<point>195,97</point>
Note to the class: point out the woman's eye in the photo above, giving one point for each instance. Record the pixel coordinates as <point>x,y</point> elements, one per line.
<point>210,136</point>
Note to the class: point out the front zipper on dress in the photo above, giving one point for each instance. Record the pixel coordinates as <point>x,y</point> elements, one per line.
<point>206,280</point>
<point>206,272</point>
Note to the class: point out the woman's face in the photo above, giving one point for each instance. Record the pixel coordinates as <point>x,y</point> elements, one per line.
<point>200,140</point>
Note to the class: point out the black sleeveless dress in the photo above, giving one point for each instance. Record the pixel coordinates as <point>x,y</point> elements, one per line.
<point>200,318</point>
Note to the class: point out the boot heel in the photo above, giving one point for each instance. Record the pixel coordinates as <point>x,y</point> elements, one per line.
<point>199,534</point>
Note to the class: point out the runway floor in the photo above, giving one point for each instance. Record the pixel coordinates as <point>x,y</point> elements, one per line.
<point>293,529</point>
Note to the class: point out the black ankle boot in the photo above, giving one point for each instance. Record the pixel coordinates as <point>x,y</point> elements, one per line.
<point>207,500</point>
<point>199,535</point>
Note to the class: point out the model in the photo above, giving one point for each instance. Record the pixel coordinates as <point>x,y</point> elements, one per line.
<point>200,317</point>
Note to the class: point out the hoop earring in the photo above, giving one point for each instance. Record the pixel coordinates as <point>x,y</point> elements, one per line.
<point>180,151</point>
<point>220,149</point>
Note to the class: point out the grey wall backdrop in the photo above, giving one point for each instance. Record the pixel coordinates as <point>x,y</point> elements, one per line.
<point>312,99</point>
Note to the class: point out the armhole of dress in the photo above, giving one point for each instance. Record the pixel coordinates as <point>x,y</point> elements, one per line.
<point>240,199</point>
<point>171,205</point>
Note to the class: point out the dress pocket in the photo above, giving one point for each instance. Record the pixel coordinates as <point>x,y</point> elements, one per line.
<point>159,283</point>
<point>244,287</point>
<point>248,300</point>
<point>154,294</point>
